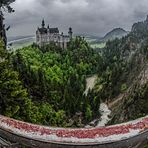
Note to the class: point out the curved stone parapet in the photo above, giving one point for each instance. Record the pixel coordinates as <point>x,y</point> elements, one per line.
<point>131,134</point>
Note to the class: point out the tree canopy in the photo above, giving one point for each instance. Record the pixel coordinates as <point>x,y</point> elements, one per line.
<point>56,78</point>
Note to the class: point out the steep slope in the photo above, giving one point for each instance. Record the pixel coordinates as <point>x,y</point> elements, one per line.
<point>124,83</point>
<point>134,101</point>
<point>55,80</point>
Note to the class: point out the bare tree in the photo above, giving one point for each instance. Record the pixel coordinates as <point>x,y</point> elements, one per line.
<point>4,6</point>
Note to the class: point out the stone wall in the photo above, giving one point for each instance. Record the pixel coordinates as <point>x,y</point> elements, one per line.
<point>47,137</point>
<point>134,142</point>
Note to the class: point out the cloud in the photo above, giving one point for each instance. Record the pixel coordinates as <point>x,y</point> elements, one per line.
<point>85,16</point>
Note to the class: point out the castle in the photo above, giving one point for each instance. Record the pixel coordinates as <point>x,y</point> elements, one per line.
<point>46,35</point>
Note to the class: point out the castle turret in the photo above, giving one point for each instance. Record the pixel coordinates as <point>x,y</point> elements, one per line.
<point>48,29</point>
<point>43,23</point>
<point>45,35</point>
<point>70,33</point>
<point>146,19</point>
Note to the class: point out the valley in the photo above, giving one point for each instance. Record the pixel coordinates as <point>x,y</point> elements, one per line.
<point>68,88</point>
<point>95,42</point>
<point>63,71</point>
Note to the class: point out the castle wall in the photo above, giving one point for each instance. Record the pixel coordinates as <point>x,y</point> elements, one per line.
<point>59,39</point>
<point>133,134</point>
<point>136,141</point>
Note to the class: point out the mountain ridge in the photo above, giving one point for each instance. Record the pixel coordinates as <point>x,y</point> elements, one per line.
<point>115,33</point>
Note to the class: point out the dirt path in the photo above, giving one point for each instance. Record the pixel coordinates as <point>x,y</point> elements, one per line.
<point>90,83</point>
<point>116,101</point>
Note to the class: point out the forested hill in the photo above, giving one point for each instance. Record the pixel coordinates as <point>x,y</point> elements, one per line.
<point>115,33</point>
<point>46,85</point>
<point>125,80</point>
<point>53,81</point>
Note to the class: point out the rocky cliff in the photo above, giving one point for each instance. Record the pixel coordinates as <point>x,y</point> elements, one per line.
<point>124,82</point>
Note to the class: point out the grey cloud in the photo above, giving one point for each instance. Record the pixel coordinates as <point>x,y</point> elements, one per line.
<point>85,16</point>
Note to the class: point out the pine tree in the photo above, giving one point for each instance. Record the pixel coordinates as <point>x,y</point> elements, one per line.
<point>13,97</point>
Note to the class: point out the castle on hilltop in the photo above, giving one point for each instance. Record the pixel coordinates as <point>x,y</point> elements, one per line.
<point>46,35</point>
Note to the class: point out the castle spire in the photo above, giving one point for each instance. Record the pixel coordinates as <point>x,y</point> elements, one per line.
<point>147,18</point>
<point>70,32</point>
<point>43,23</point>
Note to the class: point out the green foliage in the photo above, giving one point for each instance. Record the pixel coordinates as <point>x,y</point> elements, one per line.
<point>122,63</point>
<point>123,73</point>
<point>55,80</point>
<point>146,146</point>
<point>13,97</point>
<point>88,114</point>
<point>123,87</point>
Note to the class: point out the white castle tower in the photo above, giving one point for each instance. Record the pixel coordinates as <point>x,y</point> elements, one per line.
<point>46,35</point>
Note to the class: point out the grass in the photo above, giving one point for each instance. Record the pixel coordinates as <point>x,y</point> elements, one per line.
<point>98,45</point>
<point>90,40</point>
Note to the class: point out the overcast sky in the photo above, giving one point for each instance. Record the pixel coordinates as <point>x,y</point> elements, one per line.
<point>95,17</point>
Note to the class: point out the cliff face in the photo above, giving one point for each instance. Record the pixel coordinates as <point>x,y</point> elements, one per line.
<point>128,81</point>
<point>134,101</point>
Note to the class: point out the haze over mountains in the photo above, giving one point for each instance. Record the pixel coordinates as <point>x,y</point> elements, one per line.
<point>94,17</point>
<point>18,41</point>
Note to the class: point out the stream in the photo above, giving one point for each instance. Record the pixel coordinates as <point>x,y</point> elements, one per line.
<point>104,110</point>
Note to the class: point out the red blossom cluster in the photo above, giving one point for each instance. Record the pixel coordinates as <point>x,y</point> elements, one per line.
<point>76,133</point>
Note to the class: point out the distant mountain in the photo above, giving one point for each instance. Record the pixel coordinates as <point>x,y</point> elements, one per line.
<point>115,33</point>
